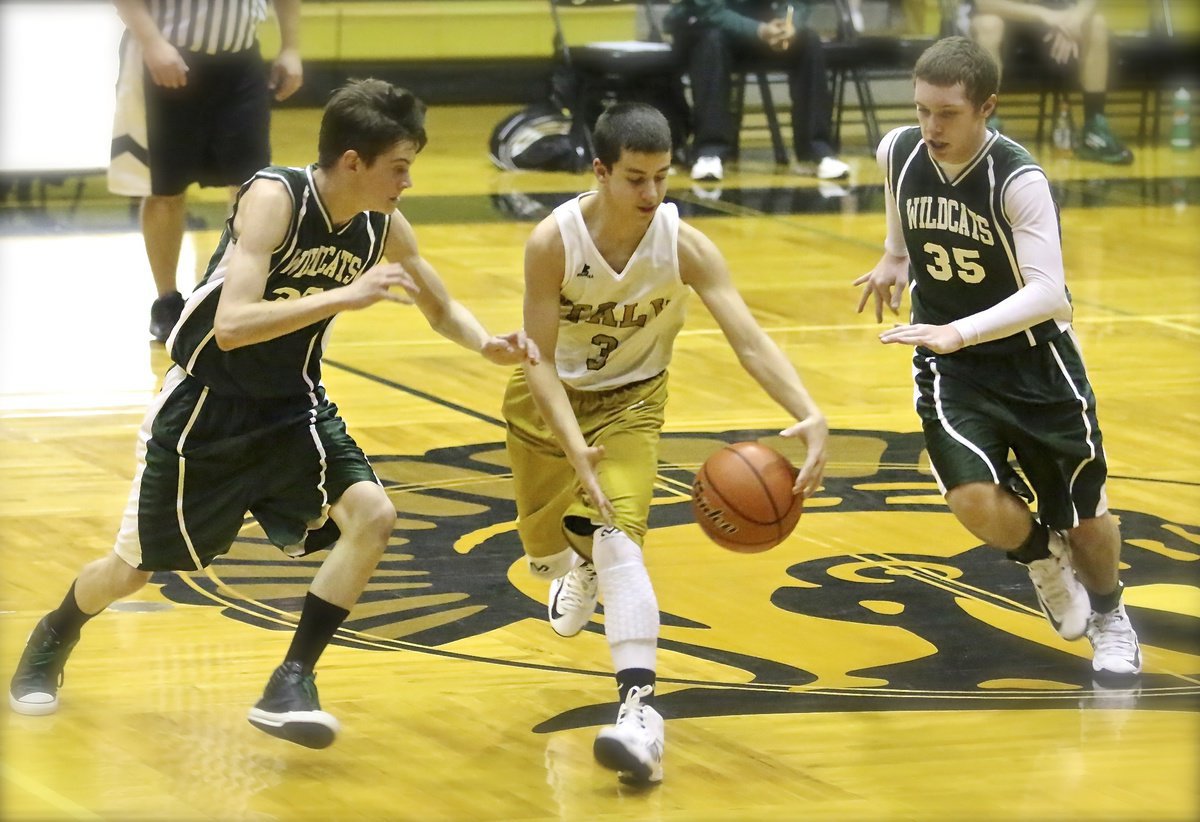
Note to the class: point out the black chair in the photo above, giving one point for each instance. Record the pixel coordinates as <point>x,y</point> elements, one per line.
<point>761,77</point>
<point>853,59</point>
<point>1149,63</point>
<point>598,74</point>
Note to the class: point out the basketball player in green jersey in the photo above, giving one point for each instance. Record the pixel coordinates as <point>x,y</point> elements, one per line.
<point>607,277</point>
<point>997,366</point>
<point>242,422</point>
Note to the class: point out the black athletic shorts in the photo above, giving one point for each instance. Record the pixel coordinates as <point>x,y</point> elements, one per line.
<point>1037,404</point>
<point>214,131</point>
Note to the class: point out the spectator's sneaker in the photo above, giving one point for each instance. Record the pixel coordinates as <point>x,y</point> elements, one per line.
<point>634,746</point>
<point>1098,143</point>
<point>708,168</point>
<point>1063,598</point>
<point>831,168</point>
<point>1116,653</point>
<point>164,313</point>
<point>39,674</point>
<point>289,709</point>
<point>573,599</point>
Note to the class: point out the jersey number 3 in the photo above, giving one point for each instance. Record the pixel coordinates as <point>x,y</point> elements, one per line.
<point>967,269</point>
<point>607,344</point>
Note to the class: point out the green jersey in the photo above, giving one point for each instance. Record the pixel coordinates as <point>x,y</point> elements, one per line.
<point>315,256</point>
<point>962,257</point>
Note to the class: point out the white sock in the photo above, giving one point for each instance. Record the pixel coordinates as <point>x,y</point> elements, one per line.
<point>555,565</point>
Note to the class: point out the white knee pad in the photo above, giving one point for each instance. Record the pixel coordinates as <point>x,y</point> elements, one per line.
<point>630,607</point>
<point>553,566</point>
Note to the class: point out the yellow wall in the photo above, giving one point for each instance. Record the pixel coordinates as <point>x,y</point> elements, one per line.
<point>484,29</point>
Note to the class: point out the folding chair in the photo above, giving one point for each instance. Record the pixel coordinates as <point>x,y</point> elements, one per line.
<point>604,72</point>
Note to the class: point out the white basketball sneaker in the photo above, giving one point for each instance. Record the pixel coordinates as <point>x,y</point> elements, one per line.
<point>1063,598</point>
<point>708,168</point>
<point>634,746</point>
<point>1116,653</point>
<point>573,599</point>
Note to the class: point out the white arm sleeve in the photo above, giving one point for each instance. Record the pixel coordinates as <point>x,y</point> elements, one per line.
<point>894,242</point>
<point>1030,210</point>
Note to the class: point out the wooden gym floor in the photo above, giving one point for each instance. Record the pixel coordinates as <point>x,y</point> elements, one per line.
<point>880,664</point>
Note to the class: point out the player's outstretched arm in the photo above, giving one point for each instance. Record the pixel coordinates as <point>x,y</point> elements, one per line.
<point>246,314</point>
<point>544,263</point>
<point>446,315</point>
<point>704,269</point>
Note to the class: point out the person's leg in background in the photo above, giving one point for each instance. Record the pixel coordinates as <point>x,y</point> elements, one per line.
<point>1096,139</point>
<point>163,221</point>
<point>707,56</point>
<point>175,133</point>
<point>988,31</point>
<point>812,108</point>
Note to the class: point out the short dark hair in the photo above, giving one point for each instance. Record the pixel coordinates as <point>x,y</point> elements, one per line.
<point>369,117</point>
<point>954,60</point>
<point>634,127</point>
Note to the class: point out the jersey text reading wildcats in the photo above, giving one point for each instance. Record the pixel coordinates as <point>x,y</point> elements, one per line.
<point>963,258</point>
<point>314,256</point>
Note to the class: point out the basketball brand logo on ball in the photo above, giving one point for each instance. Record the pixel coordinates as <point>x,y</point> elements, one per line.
<point>742,497</point>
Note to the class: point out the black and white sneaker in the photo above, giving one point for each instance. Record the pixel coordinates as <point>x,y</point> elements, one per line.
<point>39,674</point>
<point>573,599</point>
<point>1062,596</point>
<point>289,709</point>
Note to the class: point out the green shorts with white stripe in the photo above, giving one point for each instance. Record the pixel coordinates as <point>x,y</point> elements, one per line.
<point>205,461</point>
<point>1036,406</point>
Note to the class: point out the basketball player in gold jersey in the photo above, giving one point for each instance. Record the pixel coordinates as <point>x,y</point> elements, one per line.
<point>607,277</point>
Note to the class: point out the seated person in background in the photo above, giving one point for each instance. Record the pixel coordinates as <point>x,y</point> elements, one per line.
<point>713,38</point>
<point>1071,31</point>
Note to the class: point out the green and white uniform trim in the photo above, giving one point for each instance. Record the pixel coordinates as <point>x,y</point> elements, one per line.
<point>960,235</point>
<point>314,256</point>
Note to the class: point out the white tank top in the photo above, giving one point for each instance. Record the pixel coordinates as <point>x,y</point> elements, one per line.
<point>618,327</point>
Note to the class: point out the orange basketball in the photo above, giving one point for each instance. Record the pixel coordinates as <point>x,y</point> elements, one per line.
<point>742,497</point>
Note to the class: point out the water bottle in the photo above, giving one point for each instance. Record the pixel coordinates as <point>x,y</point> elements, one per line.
<point>1181,120</point>
<point>1063,135</point>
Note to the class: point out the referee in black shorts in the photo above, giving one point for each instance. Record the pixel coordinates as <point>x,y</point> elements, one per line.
<point>193,106</point>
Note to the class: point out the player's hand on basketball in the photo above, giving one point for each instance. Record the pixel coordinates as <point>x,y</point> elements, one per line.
<point>886,283</point>
<point>940,339</point>
<point>165,64</point>
<point>287,74</point>
<point>513,348</point>
<point>585,465</point>
<point>379,283</point>
<point>814,430</point>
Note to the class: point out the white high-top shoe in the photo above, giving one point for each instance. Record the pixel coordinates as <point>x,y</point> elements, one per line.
<point>1116,653</point>
<point>573,599</point>
<point>634,746</point>
<point>1063,598</point>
